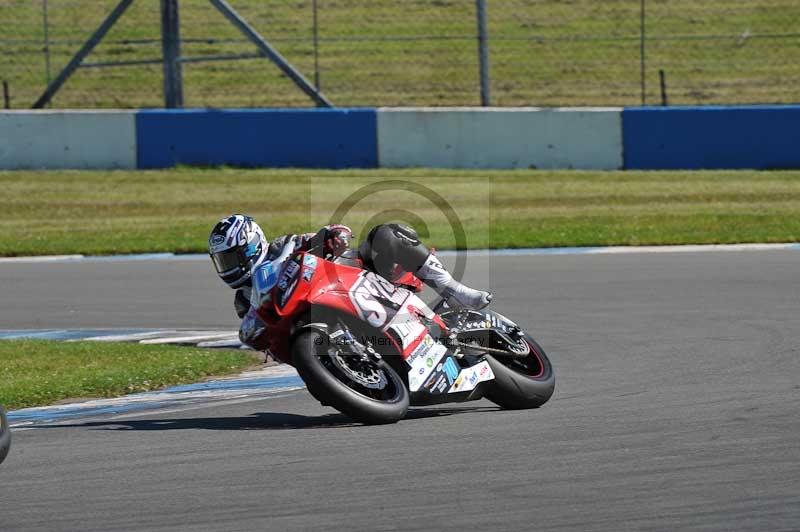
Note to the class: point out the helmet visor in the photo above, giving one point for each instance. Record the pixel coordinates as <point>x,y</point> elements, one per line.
<point>230,259</point>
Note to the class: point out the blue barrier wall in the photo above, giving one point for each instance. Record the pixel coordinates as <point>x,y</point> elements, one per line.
<point>761,137</point>
<point>315,138</point>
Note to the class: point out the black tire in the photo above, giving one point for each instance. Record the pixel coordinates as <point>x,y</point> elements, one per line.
<point>522,383</point>
<point>5,435</point>
<point>331,391</point>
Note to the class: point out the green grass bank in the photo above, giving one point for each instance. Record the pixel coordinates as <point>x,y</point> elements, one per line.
<point>36,373</point>
<point>66,212</point>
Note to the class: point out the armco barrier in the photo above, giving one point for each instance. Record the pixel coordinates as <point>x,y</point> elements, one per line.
<point>762,137</point>
<point>589,138</point>
<point>67,139</point>
<point>312,138</point>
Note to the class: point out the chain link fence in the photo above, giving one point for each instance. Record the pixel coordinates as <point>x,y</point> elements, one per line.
<point>413,52</point>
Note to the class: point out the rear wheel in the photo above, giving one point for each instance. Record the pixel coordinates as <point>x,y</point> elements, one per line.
<point>5,435</point>
<point>362,387</point>
<point>522,381</point>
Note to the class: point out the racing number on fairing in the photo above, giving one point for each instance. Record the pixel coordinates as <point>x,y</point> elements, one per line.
<point>451,369</point>
<point>369,308</point>
<point>369,296</point>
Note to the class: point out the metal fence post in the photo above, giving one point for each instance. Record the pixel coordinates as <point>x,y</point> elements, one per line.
<point>171,47</point>
<point>316,45</point>
<point>46,27</point>
<point>270,52</point>
<point>85,50</point>
<point>483,53</point>
<point>642,60</point>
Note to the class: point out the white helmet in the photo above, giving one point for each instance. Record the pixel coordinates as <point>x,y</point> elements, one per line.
<point>237,245</point>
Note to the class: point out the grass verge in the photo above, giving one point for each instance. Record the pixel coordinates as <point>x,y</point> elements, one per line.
<point>36,373</point>
<point>66,212</point>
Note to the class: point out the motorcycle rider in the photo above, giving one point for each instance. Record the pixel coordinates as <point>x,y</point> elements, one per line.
<point>246,262</point>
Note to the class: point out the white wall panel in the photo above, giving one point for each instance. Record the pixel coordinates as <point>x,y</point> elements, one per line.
<point>67,139</point>
<point>588,138</point>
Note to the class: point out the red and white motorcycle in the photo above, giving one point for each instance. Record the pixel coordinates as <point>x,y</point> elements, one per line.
<point>370,347</point>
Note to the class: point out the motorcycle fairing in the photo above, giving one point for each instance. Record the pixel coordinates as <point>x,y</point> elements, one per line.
<point>426,359</point>
<point>400,314</point>
<point>376,300</point>
<point>289,282</point>
<point>441,378</point>
<point>470,377</point>
<point>396,311</point>
<point>447,377</point>
<point>306,280</point>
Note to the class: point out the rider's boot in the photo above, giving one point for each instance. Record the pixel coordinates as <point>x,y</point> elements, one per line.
<point>458,296</point>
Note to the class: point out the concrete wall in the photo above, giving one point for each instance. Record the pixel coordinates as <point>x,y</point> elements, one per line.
<point>67,139</point>
<point>500,138</point>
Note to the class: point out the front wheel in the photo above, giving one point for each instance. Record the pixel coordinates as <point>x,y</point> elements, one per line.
<point>522,382</point>
<point>365,389</point>
<point>5,435</point>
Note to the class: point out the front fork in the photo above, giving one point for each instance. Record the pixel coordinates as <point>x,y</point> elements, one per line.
<point>343,336</point>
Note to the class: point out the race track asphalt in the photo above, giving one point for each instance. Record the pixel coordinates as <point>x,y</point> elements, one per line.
<point>676,408</point>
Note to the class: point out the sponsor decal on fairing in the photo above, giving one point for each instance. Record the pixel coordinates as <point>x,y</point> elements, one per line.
<point>288,274</point>
<point>288,280</point>
<point>426,343</point>
<point>309,267</point>
<point>420,365</point>
<point>469,378</point>
<point>442,376</point>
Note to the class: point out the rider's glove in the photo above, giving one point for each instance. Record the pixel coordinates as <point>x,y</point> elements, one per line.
<point>337,240</point>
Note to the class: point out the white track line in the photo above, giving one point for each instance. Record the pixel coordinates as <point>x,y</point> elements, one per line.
<point>134,337</point>
<point>193,338</point>
<point>44,258</point>
<point>589,250</point>
<point>693,248</point>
